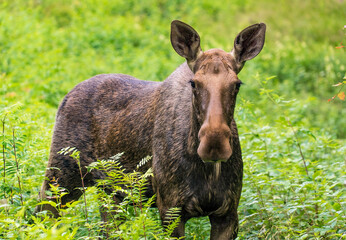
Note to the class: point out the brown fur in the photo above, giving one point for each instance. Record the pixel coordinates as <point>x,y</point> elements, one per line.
<point>188,128</point>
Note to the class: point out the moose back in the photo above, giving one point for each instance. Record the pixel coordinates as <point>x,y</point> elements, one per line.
<point>185,122</point>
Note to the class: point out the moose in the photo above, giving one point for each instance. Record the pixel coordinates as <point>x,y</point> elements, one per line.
<point>186,123</point>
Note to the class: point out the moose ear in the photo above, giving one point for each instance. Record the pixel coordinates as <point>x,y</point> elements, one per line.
<point>186,42</point>
<point>248,44</point>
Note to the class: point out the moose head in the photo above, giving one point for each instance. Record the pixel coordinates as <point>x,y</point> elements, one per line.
<point>215,85</point>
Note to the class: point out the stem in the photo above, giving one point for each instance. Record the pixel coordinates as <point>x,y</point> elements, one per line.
<point>342,86</point>
<point>298,144</point>
<point>141,206</point>
<point>132,197</point>
<point>17,165</point>
<point>84,197</point>
<point>140,196</point>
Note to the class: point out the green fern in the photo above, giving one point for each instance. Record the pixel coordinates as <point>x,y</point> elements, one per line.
<point>131,218</point>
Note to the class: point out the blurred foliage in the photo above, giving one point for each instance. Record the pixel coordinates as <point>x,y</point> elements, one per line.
<point>49,46</point>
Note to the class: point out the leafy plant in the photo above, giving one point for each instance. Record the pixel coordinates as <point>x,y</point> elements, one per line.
<point>288,178</point>
<point>127,210</point>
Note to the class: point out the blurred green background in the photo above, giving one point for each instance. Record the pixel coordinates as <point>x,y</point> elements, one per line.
<point>49,46</point>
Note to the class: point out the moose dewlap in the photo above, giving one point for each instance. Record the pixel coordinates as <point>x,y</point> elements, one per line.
<point>185,122</point>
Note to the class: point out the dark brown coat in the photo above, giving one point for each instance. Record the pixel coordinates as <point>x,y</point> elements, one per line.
<point>186,123</point>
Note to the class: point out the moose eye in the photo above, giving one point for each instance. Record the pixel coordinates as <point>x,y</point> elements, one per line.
<point>193,85</point>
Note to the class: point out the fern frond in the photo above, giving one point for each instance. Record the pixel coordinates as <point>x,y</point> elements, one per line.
<point>144,161</point>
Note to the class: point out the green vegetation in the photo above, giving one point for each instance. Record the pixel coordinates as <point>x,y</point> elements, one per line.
<point>293,139</point>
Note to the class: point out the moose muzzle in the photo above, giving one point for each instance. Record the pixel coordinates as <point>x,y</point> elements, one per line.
<point>215,143</point>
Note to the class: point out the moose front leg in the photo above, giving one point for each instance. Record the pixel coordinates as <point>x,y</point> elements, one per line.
<point>166,217</point>
<point>224,227</point>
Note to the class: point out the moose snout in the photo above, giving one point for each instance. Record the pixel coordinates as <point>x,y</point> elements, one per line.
<point>214,144</point>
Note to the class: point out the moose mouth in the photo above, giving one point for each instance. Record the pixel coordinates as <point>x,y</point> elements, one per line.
<point>214,161</point>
